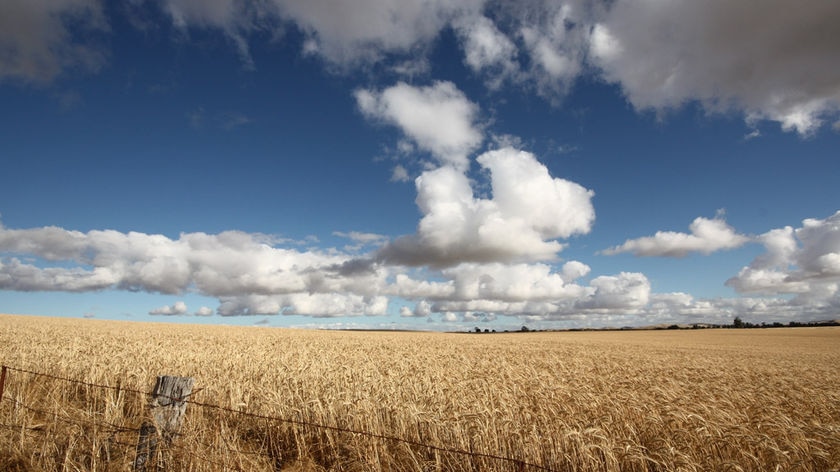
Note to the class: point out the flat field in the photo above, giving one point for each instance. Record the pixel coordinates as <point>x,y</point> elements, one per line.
<point>277,399</point>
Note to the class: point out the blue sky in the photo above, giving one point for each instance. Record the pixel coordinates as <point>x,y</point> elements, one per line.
<point>428,165</point>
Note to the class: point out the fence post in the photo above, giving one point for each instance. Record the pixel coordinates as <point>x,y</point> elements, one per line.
<point>2,381</point>
<point>167,408</point>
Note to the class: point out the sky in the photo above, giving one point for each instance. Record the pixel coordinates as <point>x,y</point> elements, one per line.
<point>421,164</point>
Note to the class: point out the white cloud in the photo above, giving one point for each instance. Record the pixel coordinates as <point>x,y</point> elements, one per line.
<point>765,59</point>
<point>421,310</point>
<point>36,42</point>
<point>707,236</point>
<point>438,118</point>
<point>250,276</point>
<point>215,13</point>
<point>622,292</point>
<point>318,305</point>
<point>227,265</point>
<point>449,317</point>
<point>19,276</point>
<point>528,211</point>
<point>487,50</point>
<point>774,60</point>
<point>346,32</point>
<point>526,290</point>
<point>752,135</point>
<point>204,311</point>
<point>399,174</point>
<point>555,37</point>
<point>512,283</point>
<point>361,240</point>
<point>236,19</point>
<point>179,308</point>
<point>804,262</point>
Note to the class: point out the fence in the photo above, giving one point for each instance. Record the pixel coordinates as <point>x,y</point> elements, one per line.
<point>115,440</point>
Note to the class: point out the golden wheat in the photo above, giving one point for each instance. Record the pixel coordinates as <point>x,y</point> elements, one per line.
<point>699,400</point>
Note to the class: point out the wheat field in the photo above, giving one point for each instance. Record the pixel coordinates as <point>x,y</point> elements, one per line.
<point>694,400</point>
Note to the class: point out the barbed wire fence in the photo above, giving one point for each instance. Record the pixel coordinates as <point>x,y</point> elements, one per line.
<point>120,441</point>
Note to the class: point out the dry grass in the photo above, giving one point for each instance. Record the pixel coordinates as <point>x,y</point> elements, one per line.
<point>751,400</point>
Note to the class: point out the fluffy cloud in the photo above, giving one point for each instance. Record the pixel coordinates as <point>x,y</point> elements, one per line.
<point>179,308</point>
<point>488,51</point>
<point>555,36</point>
<point>319,305</point>
<point>528,211</point>
<point>250,276</point>
<point>38,40</point>
<point>204,311</point>
<point>439,118</point>
<point>622,292</point>
<point>767,60</point>
<point>535,290</point>
<point>345,32</point>
<point>421,310</point>
<point>226,265</point>
<point>515,283</point>
<point>775,60</point>
<point>707,236</point>
<point>19,276</point>
<point>803,261</point>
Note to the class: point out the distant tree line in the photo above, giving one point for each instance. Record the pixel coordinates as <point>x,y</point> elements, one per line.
<point>737,323</point>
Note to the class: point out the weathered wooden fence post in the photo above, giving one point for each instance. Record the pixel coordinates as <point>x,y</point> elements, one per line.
<point>167,408</point>
<point>2,381</point>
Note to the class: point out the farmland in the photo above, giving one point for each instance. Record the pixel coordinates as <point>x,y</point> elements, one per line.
<point>281,399</point>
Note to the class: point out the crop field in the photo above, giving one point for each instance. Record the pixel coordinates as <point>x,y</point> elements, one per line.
<point>268,399</point>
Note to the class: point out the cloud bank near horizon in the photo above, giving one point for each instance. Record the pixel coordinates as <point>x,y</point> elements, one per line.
<point>249,274</point>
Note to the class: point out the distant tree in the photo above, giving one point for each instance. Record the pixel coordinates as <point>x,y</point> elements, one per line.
<point>486,330</point>
<point>524,329</point>
<point>737,323</point>
<point>477,329</point>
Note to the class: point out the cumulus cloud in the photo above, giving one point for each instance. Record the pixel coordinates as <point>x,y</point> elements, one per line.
<point>803,261</point>
<point>250,276</point>
<point>488,51</point>
<point>555,36</point>
<point>20,276</point>
<point>515,283</point>
<point>226,265</point>
<point>179,308</point>
<point>534,290</point>
<point>366,29</point>
<point>421,310</point>
<point>204,311</point>
<point>39,40</point>
<point>621,292</point>
<point>768,60</point>
<point>438,118</point>
<point>707,236</point>
<point>319,305</point>
<point>775,60</point>
<point>528,211</point>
